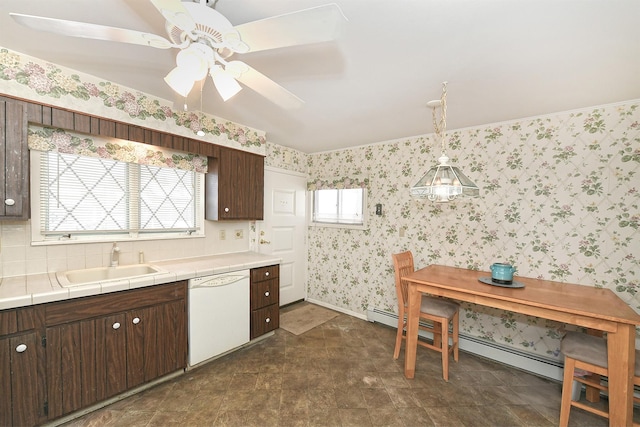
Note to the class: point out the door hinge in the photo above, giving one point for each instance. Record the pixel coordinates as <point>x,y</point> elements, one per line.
<point>46,408</point>
<point>44,340</point>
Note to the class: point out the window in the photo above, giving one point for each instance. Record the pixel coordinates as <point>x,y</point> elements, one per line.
<point>343,206</point>
<point>86,189</point>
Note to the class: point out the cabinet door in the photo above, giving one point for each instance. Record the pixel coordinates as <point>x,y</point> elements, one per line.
<point>19,366</point>
<point>68,373</point>
<point>235,186</point>
<point>233,179</point>
<point>111,363</point>
<point>142,349</point>
<point>171,352</point>
<point>14,161</point>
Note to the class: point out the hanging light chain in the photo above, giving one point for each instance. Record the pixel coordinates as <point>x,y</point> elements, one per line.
<point>440,126</point>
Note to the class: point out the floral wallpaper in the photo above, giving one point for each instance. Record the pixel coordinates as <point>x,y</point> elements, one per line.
<point>559,199</point>
<point>31,78</point>
<point>282,157</point>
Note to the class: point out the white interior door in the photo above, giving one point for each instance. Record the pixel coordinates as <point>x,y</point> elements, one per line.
<point>283,232</point>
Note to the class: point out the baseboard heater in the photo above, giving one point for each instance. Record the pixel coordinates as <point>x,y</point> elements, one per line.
<point>529,362</point>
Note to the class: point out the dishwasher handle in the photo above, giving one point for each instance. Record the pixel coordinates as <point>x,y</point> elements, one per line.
<point>213,282</point>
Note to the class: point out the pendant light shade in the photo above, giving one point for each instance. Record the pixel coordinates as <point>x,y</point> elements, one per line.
<point>443,182</point>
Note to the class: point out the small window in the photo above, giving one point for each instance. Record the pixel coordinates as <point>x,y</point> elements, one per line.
<point>339,206</point>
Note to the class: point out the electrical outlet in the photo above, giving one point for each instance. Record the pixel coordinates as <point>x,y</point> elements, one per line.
<point>223,234</point>
<point>239,234</point>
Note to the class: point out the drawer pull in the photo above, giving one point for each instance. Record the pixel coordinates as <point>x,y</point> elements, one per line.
<point>226,209</point>
<point>266,274</point>
<point>136,320</point>
<point>21,348</point>
<point>266,294</point>
<point>116,325</point>
<point>9,202</point>
<point>267,320</point>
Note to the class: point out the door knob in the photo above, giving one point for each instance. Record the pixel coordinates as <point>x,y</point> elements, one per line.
<point>136,320</point>
<point>264,242</point>
<point>116,325</point>
<point>21,348</point>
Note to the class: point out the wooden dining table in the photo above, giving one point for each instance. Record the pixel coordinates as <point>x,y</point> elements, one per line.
<point>594,308</point>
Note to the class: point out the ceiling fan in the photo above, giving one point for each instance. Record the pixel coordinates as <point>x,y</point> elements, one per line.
<point>207,42</point>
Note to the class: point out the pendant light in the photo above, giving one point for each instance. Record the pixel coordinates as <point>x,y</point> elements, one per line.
<point>443,182</point>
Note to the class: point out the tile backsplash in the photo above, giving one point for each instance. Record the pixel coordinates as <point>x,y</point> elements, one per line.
<point>18,257</point>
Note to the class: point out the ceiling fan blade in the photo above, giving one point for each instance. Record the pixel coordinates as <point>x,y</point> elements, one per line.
<point>174,12</point>
<point>314,25</point>
<point>265,86</point>
<point>91,31</point>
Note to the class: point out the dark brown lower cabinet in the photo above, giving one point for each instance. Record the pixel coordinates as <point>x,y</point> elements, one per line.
<point>19,404</point>
<point>108,344</point>
<point>265,300</point>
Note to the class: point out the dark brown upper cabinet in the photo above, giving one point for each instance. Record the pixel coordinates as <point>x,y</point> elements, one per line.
<point>14,161</point>
<point>234,186</point>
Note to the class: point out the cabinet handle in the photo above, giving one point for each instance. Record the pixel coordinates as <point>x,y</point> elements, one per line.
<point>116,325</point>
<point>9,202</point>
<point>226,209</point>
<point>264,242</point>
<point>136,320</point>
<point>20,348</point>
<point>267,320</point>
<point>266,294</point>
<point>266,274</point>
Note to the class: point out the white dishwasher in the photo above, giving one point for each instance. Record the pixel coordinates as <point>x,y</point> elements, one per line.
<point>218,314</point>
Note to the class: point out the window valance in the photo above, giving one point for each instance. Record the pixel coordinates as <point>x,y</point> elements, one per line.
<point>43,138</point>
<point>338,183</point>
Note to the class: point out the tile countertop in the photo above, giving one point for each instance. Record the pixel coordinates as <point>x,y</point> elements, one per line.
<point>21,291</point>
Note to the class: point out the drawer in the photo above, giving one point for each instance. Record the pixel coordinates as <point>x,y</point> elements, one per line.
<point>265,293</point>
<point>265,320</point>
<point>17,320</point>
<point>101,305</point>
<point>265,273</point>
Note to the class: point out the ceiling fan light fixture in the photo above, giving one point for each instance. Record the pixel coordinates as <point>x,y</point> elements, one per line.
<point>180,81</point>
<point>195,60</point>
<point>224,82</point>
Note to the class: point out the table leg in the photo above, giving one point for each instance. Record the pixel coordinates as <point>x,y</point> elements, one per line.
<point>621,355</point>
<point>413,317</point>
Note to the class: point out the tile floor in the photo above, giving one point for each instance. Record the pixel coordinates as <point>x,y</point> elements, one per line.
<point>341,373</point>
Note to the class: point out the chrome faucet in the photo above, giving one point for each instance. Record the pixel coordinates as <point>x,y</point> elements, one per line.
<point>115,250</point>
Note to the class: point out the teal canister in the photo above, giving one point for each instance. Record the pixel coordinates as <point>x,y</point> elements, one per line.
<point>502,272</point>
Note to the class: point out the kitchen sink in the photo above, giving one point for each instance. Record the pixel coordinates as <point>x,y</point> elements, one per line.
<point>105,274</point>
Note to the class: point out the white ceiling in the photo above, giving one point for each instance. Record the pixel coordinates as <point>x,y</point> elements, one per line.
<point>503,59</point>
